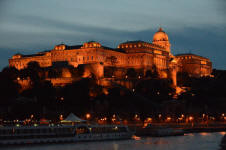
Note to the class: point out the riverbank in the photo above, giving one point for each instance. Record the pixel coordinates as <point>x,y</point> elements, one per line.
<point>187,128</point>
<point>206,129</point>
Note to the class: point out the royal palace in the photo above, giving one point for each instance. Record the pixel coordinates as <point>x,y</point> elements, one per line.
<point>139,55</point>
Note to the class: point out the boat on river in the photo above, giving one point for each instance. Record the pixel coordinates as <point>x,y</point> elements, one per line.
<point>72,129</point>
<point>62,133</point>
<point>158,131</point>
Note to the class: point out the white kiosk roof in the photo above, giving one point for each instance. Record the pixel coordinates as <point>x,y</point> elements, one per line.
<point>72,118</point>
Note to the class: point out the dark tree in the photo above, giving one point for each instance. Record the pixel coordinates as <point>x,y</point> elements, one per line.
<point>9,88</point>
<point>110,71</point>
<point>182,78</point>
<point>54,72</point>
<point>131,73</point>
<point>11,72</point>
<point>153,73</point>
<point>34,72</point>
<point>157,90</point>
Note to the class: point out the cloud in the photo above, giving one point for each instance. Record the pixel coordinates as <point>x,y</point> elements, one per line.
<point>5,54</point>
<point>208,42</point>
<point>39,29</point>
<point>41,33</point>
<point>221,5</point>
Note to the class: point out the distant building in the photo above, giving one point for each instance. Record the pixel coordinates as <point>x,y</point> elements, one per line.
<point>194,65</point>
<point>140,55</point>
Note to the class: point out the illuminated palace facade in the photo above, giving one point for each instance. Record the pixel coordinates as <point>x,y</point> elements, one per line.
<point>139,55</point>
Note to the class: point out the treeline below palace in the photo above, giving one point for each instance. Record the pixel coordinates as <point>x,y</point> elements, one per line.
<point>150,95</point>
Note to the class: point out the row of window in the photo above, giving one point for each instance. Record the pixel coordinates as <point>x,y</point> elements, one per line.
<point>135,45</point>
<point>86,58</point>
<point>130,46</point>
<point>32,131</point>
<point>120,59</point>
<point>190,57</point>
<point>92,45</point>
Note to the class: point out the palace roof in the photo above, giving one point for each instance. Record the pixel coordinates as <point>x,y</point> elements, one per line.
<point>190,54</point>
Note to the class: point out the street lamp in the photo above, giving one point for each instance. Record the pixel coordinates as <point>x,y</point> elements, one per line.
<point>168,119</point>
<point>88,116</point>
<point>182,116</point>
<point>190,118</point>
<point>61,117</point>
<point>160,115</point>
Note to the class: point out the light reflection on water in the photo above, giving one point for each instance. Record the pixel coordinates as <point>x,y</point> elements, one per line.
<point>222,133</point>
<point>197,141</point>
<point>205,134</point>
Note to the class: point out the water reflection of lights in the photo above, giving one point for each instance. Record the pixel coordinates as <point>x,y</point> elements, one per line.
<point>116,146</point>
<point>204,134</point>
<point>137,138</point>
<point>161,142</point>
<point>189,134</point>
<point>222,133</point>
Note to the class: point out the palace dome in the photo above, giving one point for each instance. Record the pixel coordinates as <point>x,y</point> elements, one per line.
<point>160,36</point>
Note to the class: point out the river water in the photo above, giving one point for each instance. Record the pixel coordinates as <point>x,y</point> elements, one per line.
<point>196,141</point>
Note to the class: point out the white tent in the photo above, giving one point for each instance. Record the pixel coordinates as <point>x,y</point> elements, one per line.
<point>73,118</point>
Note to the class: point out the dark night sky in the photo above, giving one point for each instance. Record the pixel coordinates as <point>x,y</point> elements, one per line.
<point>196,26</point>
